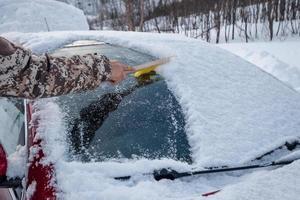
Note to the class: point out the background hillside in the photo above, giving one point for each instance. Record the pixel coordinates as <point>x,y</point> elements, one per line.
<point>211,20</point>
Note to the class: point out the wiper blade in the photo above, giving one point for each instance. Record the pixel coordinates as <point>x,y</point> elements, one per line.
<point>170,174</point>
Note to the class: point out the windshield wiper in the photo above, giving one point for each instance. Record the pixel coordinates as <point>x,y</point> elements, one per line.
<point>170,174</point>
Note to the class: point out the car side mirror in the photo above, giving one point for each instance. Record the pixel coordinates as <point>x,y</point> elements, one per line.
<point>4,182</point>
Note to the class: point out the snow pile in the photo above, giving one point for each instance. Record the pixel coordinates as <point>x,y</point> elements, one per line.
<point>233,112</point>
<point>51,128</point>
<point>280,59</point>
<point>39,15</point>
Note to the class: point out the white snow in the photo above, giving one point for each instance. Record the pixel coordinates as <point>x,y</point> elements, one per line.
<point>17,162</point>
<point>280,59</point>
<point>192,26</point>
<point>30,190</point>
<point>279,184</point>
<point>51,128</point>
<point>39,15</point>
<point>293,156</point>
<point>233,112</point>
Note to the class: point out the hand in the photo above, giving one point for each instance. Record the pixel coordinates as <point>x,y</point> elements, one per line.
<point>119,71</point>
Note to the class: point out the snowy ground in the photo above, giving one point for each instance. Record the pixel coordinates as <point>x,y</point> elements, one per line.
<point>39,15</point>
<point>234,112</point>
<point>280,58</point>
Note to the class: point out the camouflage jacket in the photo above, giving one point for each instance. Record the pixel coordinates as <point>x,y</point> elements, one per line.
<point>25,75</point>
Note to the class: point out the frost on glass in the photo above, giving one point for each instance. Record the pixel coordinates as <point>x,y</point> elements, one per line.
<point>139,118</point>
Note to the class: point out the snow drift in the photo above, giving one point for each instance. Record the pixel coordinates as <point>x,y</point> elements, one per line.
<point>39,15</point>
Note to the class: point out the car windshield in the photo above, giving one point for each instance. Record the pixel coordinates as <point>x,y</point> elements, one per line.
<point>138,118</point>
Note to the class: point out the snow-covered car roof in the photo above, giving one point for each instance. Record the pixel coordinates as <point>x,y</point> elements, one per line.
<point>234,112</point>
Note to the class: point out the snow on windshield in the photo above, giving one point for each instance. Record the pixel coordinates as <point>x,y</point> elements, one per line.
<point>233,110</point>
<point>138,118</point>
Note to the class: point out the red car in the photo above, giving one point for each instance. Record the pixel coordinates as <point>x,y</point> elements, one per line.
<point>154,128</point>
<point>40,175</point>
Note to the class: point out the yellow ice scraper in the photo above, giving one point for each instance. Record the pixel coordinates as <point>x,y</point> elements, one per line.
<point>150,66</point>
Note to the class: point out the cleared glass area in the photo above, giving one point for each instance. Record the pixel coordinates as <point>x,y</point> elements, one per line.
<point>139,118</point>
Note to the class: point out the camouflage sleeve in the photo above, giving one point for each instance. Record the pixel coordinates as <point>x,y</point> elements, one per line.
<point>28,76</point>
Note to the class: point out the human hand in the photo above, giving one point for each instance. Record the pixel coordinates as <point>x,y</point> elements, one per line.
<point>119,71</point>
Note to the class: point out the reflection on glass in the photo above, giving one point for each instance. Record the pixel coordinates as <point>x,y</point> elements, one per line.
<point>11,123</point>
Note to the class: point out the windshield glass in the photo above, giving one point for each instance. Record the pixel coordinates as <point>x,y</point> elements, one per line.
<point>11,123</point>
<point>139,118</point>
